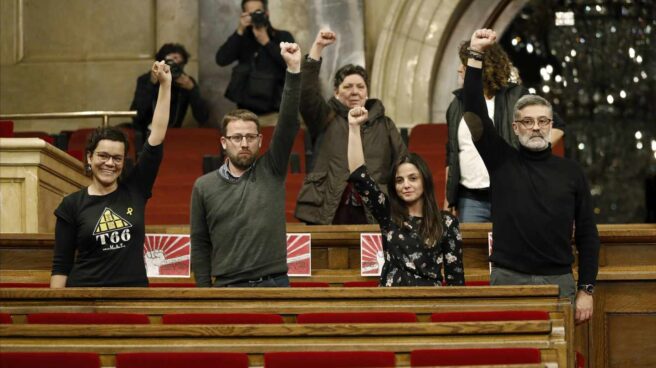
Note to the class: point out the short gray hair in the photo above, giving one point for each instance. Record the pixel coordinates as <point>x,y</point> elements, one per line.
<point>531,100</point>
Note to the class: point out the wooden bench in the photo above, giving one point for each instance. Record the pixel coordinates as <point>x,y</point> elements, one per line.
<point>401,338</point>
<point>624,320</point>
<point>288,302</point>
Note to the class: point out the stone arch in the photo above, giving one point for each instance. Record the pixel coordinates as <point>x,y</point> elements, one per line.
<point>414,68</point>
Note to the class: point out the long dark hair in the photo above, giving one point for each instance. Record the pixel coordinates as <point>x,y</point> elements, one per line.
<point>431,224</point>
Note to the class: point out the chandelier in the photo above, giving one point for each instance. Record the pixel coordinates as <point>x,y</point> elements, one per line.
<point>596,62</point>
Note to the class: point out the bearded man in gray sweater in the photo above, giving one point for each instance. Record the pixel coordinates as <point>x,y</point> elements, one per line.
<point>238,234</point>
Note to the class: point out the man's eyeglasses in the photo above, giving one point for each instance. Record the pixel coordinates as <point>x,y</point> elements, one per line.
<point>529,123</point>
<point>238,138</point>
<point>104,157</point>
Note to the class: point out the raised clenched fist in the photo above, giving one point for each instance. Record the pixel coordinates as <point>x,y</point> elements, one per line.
<point>291,53</point>
<point>325,37</point>
<point>358,115</point>
<point>482,39</point>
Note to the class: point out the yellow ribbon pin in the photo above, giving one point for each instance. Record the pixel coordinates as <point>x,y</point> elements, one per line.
<point>129,211</point>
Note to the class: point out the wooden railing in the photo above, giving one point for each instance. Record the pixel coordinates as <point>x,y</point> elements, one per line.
<point>104,115</point>
<point>627,252</point>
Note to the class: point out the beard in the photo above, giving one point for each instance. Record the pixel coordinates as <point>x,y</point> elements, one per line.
<point>535,142</point>
<point>242,162</point>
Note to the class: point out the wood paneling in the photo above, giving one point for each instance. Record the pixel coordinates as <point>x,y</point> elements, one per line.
<point>631,340</point>
<point>93,50</point>
<point>35,177</point>
<point>630,254</point>
<point>11,196</point>
<point>10,45</point>
<point>77,30</point>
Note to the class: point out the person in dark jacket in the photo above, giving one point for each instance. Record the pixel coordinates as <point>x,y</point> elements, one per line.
<point>258,78</point>
<point>326,196</point>
<point>467,179</point>
<point>184,92</point>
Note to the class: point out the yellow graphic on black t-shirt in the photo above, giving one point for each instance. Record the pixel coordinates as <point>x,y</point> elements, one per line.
<point>110,221</point>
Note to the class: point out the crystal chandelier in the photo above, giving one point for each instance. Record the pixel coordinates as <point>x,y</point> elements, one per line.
<point>596,62</point>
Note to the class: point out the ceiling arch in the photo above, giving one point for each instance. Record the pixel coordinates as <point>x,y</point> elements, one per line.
<point>414,68</point>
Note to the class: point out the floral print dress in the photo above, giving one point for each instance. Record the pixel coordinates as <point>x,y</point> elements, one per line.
<point>408,261</point>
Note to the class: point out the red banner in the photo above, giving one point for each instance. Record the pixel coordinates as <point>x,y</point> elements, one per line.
<point>371,254</point>
<point>299,255</point>
<point>167,255</point>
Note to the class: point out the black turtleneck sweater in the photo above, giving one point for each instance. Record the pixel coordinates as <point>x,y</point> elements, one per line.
<point>536,199</point>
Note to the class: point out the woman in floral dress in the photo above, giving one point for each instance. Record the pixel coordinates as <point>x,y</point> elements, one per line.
<point>420,243</point>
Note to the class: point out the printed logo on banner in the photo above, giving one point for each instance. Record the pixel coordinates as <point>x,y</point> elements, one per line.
<point>371,254</point>
<point>489,247</point>
<point>167,255</point>
<point>299,255</point>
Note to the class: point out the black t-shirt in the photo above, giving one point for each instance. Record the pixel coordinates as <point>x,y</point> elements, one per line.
<point>107,231</point>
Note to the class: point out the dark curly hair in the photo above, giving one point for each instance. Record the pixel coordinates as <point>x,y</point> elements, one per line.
<point>172,48</point>
<point>350,69</point>
<point>496,67</point>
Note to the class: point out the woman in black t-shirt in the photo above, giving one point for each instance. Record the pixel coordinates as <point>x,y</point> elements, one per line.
<point>418,240</point>
<point>104,223</point>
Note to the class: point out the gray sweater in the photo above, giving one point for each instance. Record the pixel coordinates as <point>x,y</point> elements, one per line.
<point>238,229</point>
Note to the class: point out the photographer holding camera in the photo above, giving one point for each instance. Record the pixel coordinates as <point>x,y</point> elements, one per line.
<point>184,92</point>
<point>257,80</point>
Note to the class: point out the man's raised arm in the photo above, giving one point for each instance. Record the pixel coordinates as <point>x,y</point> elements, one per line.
<point>288,122</point>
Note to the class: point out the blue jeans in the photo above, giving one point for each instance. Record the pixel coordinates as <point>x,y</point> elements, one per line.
<point>266,281</point>
<point>472,210</point>
<point>504,276</point>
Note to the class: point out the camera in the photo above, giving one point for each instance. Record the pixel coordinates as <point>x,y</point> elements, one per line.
<point>176,69</point>
<point>259,19</point>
